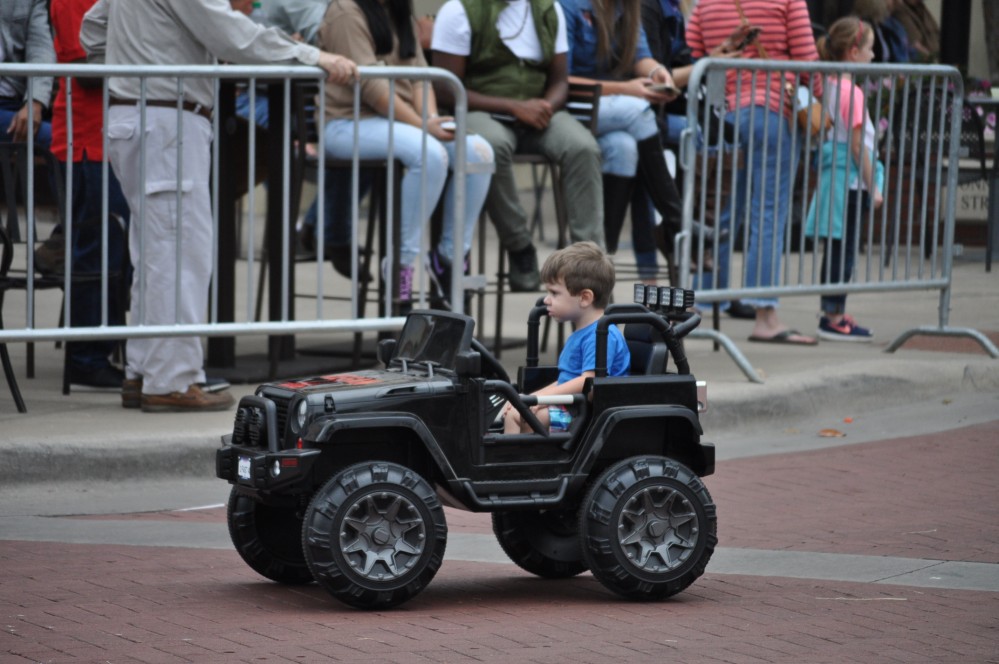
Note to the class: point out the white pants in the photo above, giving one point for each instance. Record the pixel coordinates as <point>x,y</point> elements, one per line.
<point>165,292</point>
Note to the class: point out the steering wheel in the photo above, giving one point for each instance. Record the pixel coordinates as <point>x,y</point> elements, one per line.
<point>491,367</point>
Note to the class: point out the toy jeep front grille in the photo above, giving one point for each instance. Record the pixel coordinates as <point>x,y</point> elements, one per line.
<point>281,403</point>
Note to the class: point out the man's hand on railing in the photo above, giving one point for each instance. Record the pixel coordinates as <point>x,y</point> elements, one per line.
<point>341,70</point>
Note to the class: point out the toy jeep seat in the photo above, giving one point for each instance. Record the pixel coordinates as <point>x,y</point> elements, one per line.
<point>648,351</point>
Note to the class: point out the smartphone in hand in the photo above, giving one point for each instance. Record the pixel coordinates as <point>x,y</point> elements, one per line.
<point>665,88</point>
<point>449,125</point>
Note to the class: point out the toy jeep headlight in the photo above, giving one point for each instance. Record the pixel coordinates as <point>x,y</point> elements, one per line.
<point>299,415</point>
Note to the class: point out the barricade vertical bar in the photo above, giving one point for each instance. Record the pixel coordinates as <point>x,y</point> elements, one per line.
<point>286,268</point>
<point>320,196</point>
<point>251,202</point>
<point>424,139</point>
<point>956,117</point>
<point>105,203</point>
<point>29,212</point>
<point>355,171</point>
<point>950,132</point>
<point>140,224</point>
<point>178,242</point>
<point>213,314</point>
<point>459,170</point>
<point>68,218</point>
<point>927,148</point>
<point>390,267</point>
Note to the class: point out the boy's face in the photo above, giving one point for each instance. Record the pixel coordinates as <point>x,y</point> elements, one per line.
<point>562,305</point>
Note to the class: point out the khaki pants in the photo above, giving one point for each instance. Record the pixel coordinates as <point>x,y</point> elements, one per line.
<point>165,292</point>
<point>565,141</point>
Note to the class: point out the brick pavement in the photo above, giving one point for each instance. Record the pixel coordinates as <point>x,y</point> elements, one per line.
<point>920,497</point>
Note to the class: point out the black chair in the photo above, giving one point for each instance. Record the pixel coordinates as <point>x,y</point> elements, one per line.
<point>6,257</point>
<point>648,351</point>
<point>13,175</point>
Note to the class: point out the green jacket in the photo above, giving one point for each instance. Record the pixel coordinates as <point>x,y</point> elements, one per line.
<point>492,69</point>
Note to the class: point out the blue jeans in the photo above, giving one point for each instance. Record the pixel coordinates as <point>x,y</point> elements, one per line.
<point>336,219</point>
<point>337,206</point>
<point>85,303</point>
<point>261,115</point>
<point>623,121</point>
<point>417,205</point>
<point>8,109</point>
<point>763,191</point>
<point>671,128</point>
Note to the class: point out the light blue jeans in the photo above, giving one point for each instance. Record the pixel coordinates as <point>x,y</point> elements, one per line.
<point>763,190</point>
<point>408,148</point>
<point>623,121</point>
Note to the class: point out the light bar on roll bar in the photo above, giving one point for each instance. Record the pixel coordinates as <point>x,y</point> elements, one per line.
<point>664,298</point>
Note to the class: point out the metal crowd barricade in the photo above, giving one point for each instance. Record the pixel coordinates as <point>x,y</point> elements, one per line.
<point>292,320</point>
<point>906,245</point>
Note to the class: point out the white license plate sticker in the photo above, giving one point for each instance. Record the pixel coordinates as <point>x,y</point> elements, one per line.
<point>243,470</point>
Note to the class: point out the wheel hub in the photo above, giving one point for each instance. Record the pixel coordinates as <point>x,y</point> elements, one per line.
<point>383,536</point>
<point>657,529</point>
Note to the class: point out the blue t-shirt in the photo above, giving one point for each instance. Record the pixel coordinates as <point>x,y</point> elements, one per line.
<point>580,353</point>
<point>582,56</point>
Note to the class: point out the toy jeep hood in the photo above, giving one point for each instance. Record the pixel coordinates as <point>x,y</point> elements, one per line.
<point>344,381</point>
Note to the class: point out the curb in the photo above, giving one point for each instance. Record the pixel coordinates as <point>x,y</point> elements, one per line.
<point>847,388</point>
<point>851,388</point>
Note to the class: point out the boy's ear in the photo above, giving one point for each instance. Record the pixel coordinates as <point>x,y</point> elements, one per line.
<point>586,297</point>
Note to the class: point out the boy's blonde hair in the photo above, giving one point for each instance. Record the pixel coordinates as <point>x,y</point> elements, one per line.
<point>581,265</point>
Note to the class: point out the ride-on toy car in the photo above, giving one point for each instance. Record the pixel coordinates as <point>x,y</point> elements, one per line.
<point>342,478</point>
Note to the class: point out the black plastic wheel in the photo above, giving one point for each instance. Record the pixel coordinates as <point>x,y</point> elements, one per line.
<point>545,543</point>
<point>268,538</point>
<point>375,535</point>
<point>649,527</point>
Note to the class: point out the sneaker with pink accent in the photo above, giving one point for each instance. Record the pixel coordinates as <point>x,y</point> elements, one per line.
<point>406,275</point>
<point>845,329</point>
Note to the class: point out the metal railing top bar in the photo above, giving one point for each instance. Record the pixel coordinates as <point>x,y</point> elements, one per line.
<point>346,325</point>
<point>269,74</point>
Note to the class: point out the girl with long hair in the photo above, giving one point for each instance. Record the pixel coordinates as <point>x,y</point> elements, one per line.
<point>849,174</point>
<point>608,45</point>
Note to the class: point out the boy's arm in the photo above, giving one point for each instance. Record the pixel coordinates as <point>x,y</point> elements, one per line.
<point>574,386</point>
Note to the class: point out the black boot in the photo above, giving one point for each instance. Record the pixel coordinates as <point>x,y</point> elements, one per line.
<point>664,194</point>
<point>617,197</point>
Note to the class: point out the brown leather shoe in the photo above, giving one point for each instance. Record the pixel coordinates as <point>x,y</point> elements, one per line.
<point>193,400</point>
<point>131,393</point>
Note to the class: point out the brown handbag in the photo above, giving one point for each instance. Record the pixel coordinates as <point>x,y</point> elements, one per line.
<point>809,118</point>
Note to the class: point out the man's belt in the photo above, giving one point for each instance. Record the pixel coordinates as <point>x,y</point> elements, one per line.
<point>189,106</point>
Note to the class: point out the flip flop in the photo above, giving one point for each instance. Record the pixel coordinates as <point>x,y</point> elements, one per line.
<point>784,337</point>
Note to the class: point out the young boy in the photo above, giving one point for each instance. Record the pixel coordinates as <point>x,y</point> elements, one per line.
<point>579,280</point>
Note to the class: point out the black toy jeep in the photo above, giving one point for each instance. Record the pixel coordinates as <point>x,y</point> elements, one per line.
<point>341,478</point>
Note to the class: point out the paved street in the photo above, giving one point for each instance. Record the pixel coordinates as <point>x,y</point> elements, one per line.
<point>879,546</point>
<point>881,551</point>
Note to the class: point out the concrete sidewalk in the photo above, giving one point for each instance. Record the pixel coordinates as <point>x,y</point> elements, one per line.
<point>88,435</point>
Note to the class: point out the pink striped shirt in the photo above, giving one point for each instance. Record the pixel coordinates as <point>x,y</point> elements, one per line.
<point>786,35</point>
